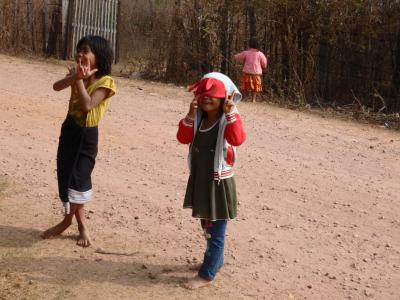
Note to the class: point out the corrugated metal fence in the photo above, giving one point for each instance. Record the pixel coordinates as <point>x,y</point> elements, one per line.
<point>95,17</point>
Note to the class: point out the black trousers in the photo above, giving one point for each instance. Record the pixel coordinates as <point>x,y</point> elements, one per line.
<point>76,156</point>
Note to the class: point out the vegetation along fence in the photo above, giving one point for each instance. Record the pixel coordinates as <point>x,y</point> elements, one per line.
<point>53,27</point>
<point>333,53</point>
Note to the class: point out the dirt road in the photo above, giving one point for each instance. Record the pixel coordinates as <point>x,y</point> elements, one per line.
<point>319,213</point>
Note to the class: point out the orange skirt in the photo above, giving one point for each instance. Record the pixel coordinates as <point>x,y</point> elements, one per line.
<point>250,83</point>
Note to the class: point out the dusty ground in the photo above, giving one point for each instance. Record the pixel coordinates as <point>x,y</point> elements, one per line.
<point>319,213</point>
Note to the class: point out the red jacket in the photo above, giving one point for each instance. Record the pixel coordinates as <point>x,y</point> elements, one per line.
<point>230,135</point>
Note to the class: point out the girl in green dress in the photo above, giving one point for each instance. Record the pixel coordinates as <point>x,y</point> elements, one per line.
<point>213,129</point>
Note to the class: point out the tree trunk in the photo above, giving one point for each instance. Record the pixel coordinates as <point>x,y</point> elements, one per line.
<point>226,37</point>
<point>30,10</point>
<point>206,66</point>
<point>16,26</point>
<point>54,29</point>
<point>324,59</point>
<point>174,70</point>
<point>45,26</point>
<point>285,52</point>
<point>252,21</point>
<point>396,75</point>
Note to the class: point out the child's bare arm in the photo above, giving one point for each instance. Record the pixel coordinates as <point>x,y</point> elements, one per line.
<point>65,82</point>
<point>86,101</point>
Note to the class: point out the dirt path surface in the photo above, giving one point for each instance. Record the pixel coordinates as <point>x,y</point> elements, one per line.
<point>319,213</point>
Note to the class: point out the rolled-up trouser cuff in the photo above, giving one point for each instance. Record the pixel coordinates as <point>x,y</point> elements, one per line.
<point>67,208</point>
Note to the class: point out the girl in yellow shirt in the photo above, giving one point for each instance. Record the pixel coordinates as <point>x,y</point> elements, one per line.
<point>91,91</point>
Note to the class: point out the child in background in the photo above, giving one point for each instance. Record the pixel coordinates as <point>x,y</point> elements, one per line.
<point>254,63</point>
<point>213,129</point>
<point>91,91</point>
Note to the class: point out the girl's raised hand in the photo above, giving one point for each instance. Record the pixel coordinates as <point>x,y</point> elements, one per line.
<point>193,107</point>
<point>83,71</point>
<point>80,70</point>
<point>228,103</point>
<point>71,71</point>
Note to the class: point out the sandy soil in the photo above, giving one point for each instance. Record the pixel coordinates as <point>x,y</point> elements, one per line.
<point>319,213</point>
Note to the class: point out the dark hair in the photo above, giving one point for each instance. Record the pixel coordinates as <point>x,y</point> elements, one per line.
<point>102,50</point>
<point>253,43</point>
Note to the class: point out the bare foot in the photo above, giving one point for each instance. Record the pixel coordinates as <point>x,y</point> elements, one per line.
<point>195,283</point>
<point>83,238</point>
<point>56,230</point>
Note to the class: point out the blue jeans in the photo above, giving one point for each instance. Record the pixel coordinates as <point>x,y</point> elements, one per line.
<point>214,254</point>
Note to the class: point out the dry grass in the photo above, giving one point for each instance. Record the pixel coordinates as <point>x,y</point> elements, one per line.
<point>21,26</point>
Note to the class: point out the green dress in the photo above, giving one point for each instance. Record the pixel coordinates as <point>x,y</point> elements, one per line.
<point>208,198</point>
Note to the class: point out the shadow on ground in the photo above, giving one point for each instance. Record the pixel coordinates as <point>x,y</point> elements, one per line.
<point>138,271</point>
<point>15,237</point>
<point>72,271</point>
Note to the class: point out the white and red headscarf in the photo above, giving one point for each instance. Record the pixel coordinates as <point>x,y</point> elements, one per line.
<point>215,85</point>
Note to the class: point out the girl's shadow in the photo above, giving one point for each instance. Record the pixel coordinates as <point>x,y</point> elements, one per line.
<point>71,271</point>
<point>15,237</point>
<point>137,271</point>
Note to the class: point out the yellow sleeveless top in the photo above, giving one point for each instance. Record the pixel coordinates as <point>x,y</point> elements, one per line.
<point>93,117</point>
